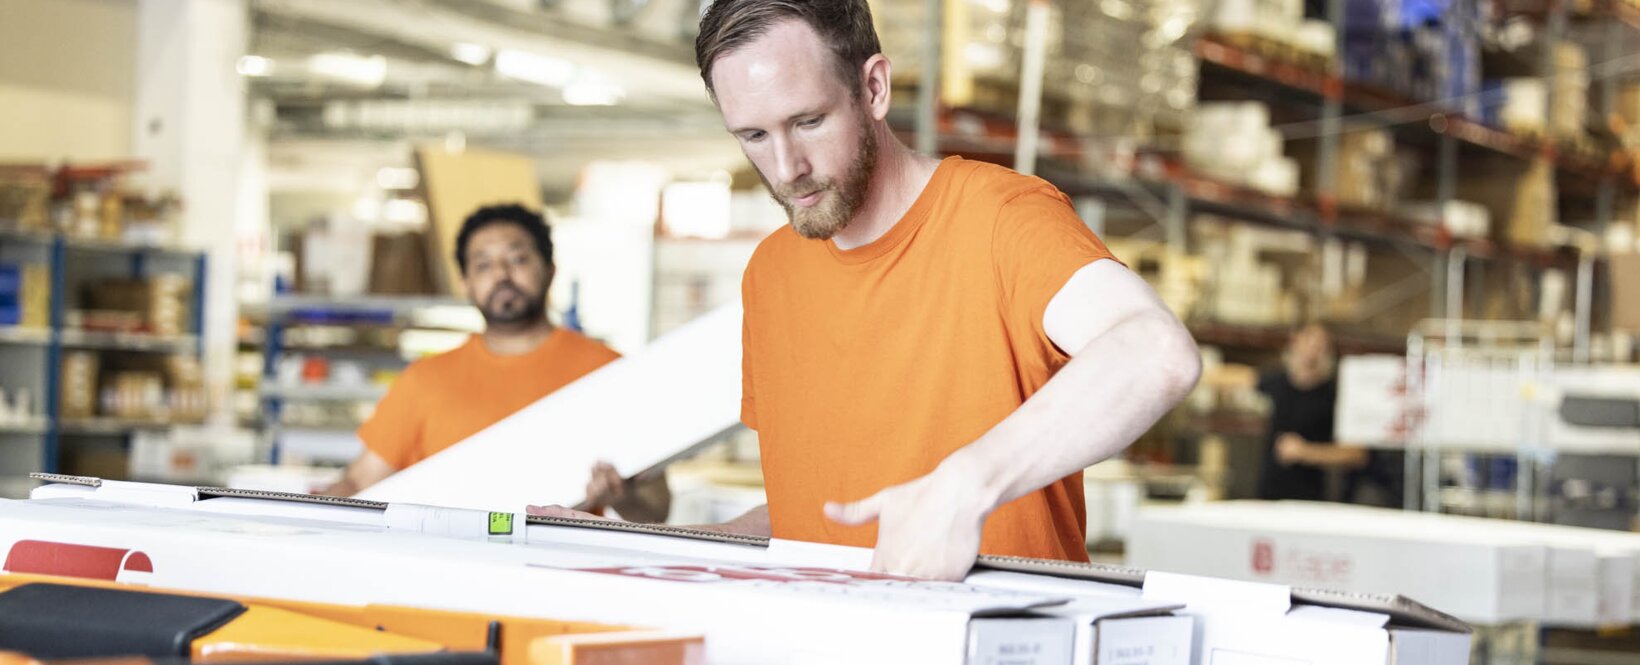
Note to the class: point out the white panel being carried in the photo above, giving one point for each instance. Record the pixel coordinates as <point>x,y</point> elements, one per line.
<point>644,410</point>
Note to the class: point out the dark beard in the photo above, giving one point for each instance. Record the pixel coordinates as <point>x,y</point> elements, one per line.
<point>533,311</point>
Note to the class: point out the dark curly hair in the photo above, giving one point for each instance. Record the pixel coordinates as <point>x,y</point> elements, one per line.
<point>512,213</point>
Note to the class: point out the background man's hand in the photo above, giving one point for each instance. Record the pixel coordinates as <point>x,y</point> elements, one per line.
<point>929,527</point>
<point>1291,449</point>
<point>606,487</point>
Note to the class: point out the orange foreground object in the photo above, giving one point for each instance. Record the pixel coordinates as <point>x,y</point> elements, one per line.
<point>272,628</point>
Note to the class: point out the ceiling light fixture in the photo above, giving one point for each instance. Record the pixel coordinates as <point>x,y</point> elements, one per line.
<point>366,71</point>
<point>472,54</point>
<point>254,65</point>
<point>535,68</point>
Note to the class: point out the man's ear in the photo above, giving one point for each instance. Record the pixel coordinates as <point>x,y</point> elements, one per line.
<point>875,81</point>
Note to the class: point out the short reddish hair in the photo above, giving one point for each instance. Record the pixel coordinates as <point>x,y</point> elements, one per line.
<point>844,25</point>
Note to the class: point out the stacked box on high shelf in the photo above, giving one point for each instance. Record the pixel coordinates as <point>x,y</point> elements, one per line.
<point>1274,28</point>
<point>1234,142</point>
<point>1520,197</point>
<point>25,198</point>
<point>25,295</point>
<point>1370,171</point>
<point>159,301</point>
<point>1425,51</point>
<point>1111,70</point>
<point>1249,284</point>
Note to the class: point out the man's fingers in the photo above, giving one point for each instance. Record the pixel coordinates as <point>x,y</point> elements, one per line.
<point>860,512</point>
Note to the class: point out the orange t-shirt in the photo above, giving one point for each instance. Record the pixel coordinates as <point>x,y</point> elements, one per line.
<point>440,400</point>
<point>865,368</point>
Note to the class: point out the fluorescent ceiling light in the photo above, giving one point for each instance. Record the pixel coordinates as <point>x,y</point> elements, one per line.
<point>254,65</point>
<point>397,178</point>
<point>535,68</point>
<point>472,54</point>
<point>367,71</point>
<point>593,93</point>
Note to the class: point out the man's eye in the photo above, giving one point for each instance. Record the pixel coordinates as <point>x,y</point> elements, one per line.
<point>811,123</point>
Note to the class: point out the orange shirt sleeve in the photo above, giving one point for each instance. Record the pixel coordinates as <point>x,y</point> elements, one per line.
<point>1038,243</point>
<point>394,431</point>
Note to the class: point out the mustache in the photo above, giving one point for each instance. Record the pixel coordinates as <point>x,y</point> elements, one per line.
<point>507,286</point>
<point>800,188</point>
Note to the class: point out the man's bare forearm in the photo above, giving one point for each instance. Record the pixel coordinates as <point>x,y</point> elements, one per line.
<point>1106,397</point>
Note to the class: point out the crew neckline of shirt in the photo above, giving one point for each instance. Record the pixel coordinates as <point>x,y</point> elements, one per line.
<point>483,352</point>
<point>908,223</point>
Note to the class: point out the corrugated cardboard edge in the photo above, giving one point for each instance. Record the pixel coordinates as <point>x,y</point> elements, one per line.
<point>652,529</point>
<point>87,481</point>
<point>1401,610</point>
<point>1068,569</point>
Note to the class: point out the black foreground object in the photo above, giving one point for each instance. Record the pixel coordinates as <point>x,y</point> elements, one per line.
<point>61,621</point>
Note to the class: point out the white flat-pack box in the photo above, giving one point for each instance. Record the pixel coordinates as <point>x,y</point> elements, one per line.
<point>1590,574</point>
<point>1113,615</point>
<point>1484,578</point>
<point>1244,622</point>
<point>751,607</point>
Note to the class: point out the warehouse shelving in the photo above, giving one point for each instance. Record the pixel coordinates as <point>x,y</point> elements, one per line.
<point>126,341</point>
<point>34,426</point>
<point>137,260</point>
<point>324,393</point>
<point>24,335</point>
<point>279,315</point>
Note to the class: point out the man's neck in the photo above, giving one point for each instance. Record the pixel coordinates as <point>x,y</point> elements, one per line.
<point>517,341</point>
<point>900,178</point>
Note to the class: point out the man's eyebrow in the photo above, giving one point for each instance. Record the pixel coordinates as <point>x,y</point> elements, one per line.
<point>789,119</point>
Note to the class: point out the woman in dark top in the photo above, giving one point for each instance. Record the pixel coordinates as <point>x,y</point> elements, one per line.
<point>1299,446</point>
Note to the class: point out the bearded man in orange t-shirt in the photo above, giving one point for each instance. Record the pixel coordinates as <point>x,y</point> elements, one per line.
<point>934,349</point>
<point>505,256</point>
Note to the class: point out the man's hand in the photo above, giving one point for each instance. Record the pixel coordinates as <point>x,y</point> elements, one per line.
<point>606,486</point>
<point>560,511</point>
<point>1292,449</point>
<point>929,527</point>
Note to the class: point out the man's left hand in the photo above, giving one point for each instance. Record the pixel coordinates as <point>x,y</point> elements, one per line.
<point>1291,449</point>
<point>929,527</point>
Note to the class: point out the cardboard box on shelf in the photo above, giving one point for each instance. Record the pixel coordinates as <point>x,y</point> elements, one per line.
<point>1625,284</point>
<point>80,388</point>
<point>134,395</point>
<point>160,300</point>
<point>25,197</point>
<point>399,266</point>
<point>1519,199</point>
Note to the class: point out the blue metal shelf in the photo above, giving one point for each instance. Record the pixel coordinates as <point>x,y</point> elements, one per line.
<point>58,337</point>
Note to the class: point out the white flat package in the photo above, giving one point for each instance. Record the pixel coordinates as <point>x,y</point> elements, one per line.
<point>1017,610</point>
<point>1483,571</point>
<point>639,412</point>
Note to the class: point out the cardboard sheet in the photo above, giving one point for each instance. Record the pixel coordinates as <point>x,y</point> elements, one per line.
<point>681,391</point>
